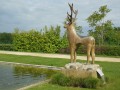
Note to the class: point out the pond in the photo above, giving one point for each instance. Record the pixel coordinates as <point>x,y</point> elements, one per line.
<point>13,77</point>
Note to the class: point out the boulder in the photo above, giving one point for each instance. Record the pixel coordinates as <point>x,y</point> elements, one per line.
<point>81,70</point>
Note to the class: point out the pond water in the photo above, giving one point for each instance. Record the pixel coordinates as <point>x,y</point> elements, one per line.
<point>13,77</point>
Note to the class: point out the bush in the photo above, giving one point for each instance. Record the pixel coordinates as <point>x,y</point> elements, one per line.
<point>8,47</point>
<point>6,38</point>
<point>63,80</point>
<point>99,50</point>
<point>27,41</point>
<point>91,82</point>
<point>47,40</point>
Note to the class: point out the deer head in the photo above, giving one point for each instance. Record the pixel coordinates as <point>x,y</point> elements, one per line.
<point>70,19</point>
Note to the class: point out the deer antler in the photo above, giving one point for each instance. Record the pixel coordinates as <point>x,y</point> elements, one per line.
<point>70,16</point>
<point>75,12</point>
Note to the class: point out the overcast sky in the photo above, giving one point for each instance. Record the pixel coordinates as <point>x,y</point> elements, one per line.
<point>35,14</point>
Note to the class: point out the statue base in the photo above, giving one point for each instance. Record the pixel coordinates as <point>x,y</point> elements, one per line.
<point>82,70</point>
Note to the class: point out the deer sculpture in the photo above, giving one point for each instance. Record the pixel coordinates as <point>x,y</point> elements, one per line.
<point>75,41</point>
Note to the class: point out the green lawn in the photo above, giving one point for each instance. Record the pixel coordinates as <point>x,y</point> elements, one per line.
<point>33,60</point>
<point>110,69</point>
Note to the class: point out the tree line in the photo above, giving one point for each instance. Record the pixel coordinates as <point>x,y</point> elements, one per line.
<point>111,36</point>
<point>103,30</point>
<point>6,38</point>
<point>46,40</point>
<point>51,41</point>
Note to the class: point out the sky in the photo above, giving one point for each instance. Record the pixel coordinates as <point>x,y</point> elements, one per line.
<point>35,14</point>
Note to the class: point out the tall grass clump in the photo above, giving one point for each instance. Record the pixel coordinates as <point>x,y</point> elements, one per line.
<point>33,71</point>
<point>63,80</point>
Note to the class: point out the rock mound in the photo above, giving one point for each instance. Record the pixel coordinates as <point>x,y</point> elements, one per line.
<point>81,70</point>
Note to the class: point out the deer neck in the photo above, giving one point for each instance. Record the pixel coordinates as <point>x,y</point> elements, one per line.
<point>72,35</point>
<point>72,32</point>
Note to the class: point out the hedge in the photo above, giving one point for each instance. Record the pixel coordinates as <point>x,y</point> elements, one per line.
<point>47,40</point>
<point>99,50</point>
<point>8,47</point>
<point>108,50</point>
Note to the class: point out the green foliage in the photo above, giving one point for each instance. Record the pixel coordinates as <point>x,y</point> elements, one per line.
<point>26,41</point>
<point>33,71</point>
<point>112,37</point>
<point>34,60</point>
<point>63,80</point>
<point>99,50</point>
<point>99,26</point>
<point>5,38</point>
<point>8,47</point>
<point>78,29</point>
<point>108,50</point>
<point>91,82</point>
<point>110,69</point>
<point>97,16</point>
<point>103,31</point>
<point>103,50</point>
<point>47,40</point>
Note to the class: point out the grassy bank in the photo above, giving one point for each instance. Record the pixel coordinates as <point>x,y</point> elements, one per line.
<point>33,60</point>
<point>110,69</point>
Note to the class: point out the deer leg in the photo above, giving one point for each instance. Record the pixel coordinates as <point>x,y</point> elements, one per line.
<point>93,54</point>
<point>88,53</point>
<point>75,54</point>
<point>72,54</point>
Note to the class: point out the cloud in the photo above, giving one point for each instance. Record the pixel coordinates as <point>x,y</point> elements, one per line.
<point>28,14</point>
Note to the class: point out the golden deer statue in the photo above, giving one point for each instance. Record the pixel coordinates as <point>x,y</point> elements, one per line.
<point>75,41</point>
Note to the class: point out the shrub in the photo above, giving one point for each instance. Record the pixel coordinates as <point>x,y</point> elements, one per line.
<point>26,41</point>
<point>99,50</point>
<point>47,40</point>
<point>91,82</point>
<point>108,50</point>
<point>6,38</point>
<point>63,80</point>
<point>8,47</point>
<point>60,79</point>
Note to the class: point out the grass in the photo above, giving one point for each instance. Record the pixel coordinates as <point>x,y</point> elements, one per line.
<point>64,80</point>
<point>108,56</point>
<point>33,71</point>
<point>110,69</point>
<point>55,87</point>
<point>33,60</point>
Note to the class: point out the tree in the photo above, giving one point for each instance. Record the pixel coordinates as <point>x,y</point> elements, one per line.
<point>78,29</point>
<point>6,38</point>
<point>99,26</point>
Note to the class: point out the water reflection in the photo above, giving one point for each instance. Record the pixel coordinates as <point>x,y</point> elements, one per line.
<point>22,70</point>
<point>13,77</point>
<point>26,71</point>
